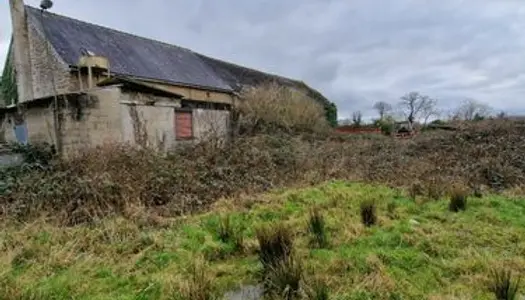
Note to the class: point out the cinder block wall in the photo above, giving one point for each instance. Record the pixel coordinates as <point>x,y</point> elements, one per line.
<point>95,121</point>
<point>108,116</point>
<point>148,125</point>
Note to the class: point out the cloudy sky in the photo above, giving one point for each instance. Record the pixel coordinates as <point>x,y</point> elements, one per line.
<point>356,52</point>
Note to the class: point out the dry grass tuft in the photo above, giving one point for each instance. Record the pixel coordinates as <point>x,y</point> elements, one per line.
<point>284,280</point>
<point>275,245</point>
<point>199,285</point>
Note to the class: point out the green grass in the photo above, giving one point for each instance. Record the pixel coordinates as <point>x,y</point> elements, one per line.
<point>425,252</point>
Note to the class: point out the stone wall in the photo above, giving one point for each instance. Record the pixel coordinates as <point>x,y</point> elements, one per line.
<point>92,120</point>
<point>48,71</point>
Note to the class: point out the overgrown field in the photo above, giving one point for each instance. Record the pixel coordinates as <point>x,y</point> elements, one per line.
<point>417,249</point>
<point>131,223</point>
<point>103,182</point>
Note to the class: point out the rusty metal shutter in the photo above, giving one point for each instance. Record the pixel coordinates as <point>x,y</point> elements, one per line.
<point>183,125</point>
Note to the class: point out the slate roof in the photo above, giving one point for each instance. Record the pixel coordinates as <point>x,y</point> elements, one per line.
<point>148,59</point>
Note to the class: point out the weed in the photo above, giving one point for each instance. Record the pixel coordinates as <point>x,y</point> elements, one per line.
<point>458,200</point>
<point>391,208</point>
<point>228,233</point>
<point>284,279</point>
<point>275,245</point>
<point>317,228</point>
<point>225,230</point>
<point>368,213</point>
<point>503,286</point>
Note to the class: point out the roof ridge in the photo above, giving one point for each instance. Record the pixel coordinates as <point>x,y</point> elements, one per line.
<point>112,29</point>
<point>246,68</point>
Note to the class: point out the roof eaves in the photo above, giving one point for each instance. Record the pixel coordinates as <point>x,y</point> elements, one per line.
<point>127,80</point>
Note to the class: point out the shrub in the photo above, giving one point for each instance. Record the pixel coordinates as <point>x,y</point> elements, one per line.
<point>503,286</point>
<point>284,280</point>
<point>368,213</point>
<point>458,200</point>
<point>35,155</point>
<point>271,107</point>
<point>111,178</point>
<point>275,245</point>
<point>317,228</point>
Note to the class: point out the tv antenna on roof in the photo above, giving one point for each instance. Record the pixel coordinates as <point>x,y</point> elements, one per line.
<point>46,4</point>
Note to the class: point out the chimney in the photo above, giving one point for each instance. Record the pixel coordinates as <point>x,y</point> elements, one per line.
<point>22,58</point>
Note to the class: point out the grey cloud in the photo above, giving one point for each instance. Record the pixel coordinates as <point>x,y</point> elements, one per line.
<point>355,52</point>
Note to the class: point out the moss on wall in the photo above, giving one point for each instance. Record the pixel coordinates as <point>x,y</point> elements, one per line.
<point>8,90</point>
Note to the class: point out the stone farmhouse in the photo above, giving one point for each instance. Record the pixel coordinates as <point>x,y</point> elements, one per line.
<point>78,85</point>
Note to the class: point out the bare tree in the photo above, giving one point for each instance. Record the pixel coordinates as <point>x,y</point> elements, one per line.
<point>471,109</point>
<point>430,110</point>
<point>357,118</point>
<point>382,108</point>
<point>416,106</point>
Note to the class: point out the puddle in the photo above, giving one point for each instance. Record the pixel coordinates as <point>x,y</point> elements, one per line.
<point>247,292</point>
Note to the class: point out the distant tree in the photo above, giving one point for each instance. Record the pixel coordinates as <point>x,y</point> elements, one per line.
<point>501,115</point>
<point>416,106</point>
<point>382,108</point>
<point>472,110</point>
<point>357,118</point>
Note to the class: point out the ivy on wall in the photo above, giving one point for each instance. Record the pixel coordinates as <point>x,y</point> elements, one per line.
<point>331,113</point>
<point>8,90</point>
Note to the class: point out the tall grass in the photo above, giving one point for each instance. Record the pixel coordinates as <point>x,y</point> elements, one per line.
<point>458,200</point>
<point>317,228</point>
<point>275,245</point>
<point>368,213</point>
<point>284,280</point>
<point>503,285</point>
<point>198,285</point>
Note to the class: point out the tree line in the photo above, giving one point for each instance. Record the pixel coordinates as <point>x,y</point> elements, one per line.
<point>416,108</point>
